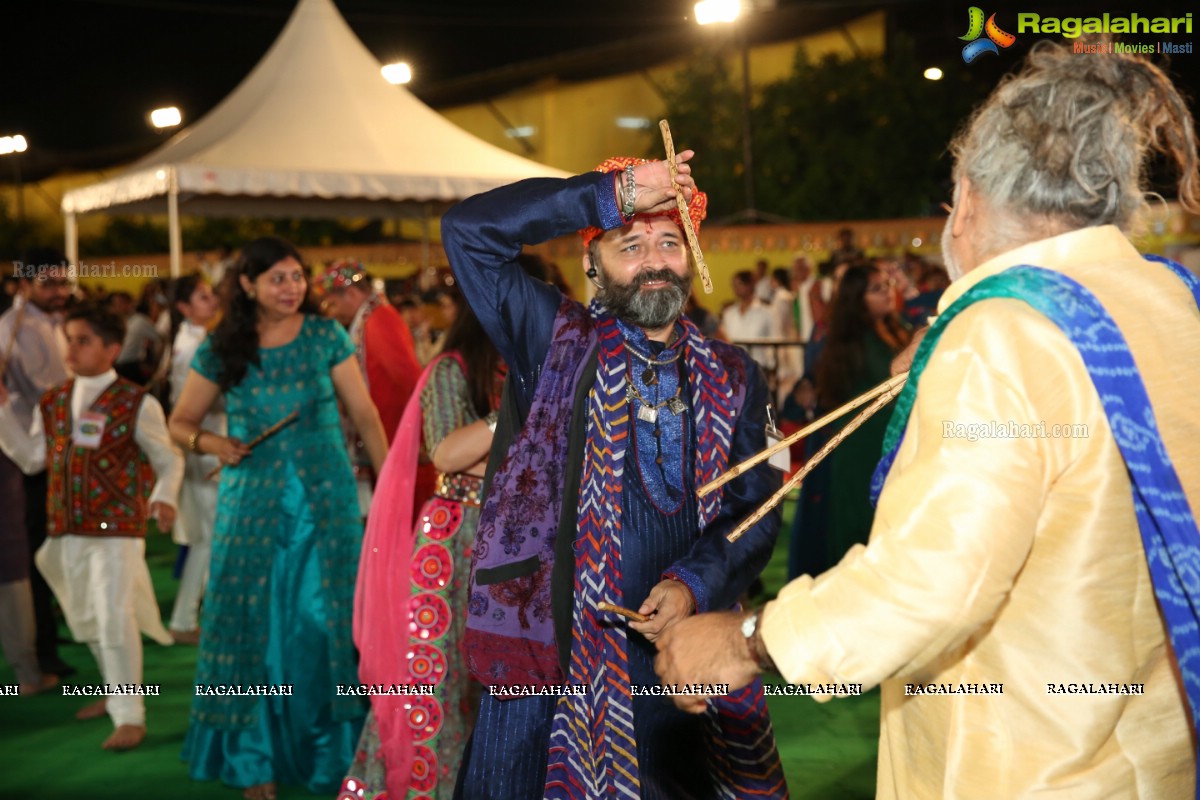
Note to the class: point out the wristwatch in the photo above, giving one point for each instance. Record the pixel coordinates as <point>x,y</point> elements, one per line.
<point>758,650</point>
<point>749,626</point>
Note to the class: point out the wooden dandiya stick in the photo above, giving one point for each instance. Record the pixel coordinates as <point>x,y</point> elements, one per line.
<point>895,382</point>
<point>268,433</point>
<point>17,320</point>
<point>777,498</point>
<point>624,612</point>
<point>688,229</point>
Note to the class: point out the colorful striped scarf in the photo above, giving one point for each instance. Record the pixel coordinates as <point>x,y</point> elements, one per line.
<point>593,752</point>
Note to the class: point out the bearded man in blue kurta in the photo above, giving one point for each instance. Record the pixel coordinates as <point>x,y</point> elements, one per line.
<point>613,415</point>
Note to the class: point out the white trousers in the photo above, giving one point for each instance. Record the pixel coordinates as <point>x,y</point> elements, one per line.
<point>198,513</point>
<point>103,586</point>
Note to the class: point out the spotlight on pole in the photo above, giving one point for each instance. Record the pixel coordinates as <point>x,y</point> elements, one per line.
<point>709,12</point>
<point>397,73</point>
<point>165,117</point>
<point>13,144</point>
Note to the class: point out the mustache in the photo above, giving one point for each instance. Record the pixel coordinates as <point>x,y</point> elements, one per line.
<point>654,276</point>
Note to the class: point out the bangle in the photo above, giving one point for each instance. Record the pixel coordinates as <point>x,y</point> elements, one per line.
<point>492,419</point>
<point>194,441</point>
<point>629,193</point>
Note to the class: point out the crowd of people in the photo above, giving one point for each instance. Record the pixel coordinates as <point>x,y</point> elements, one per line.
<point>487,516</point>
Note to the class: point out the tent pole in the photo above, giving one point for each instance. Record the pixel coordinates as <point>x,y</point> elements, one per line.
<point>173,231</point>
<point>71,232</point>
<point>425,258</point>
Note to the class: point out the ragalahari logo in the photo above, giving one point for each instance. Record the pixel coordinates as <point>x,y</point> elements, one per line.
<point>996,38</point>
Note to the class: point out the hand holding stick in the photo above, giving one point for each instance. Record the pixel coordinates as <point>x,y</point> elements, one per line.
<point>269,432</point>
<point>624,612</point>
<point>895,382</point>
<point>688,229</point>
<point>775,499</point>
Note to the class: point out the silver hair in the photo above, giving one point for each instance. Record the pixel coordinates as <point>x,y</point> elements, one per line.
<point>1064,144</point>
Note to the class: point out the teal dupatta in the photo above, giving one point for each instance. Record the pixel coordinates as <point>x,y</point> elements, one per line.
<point>1168,527</point>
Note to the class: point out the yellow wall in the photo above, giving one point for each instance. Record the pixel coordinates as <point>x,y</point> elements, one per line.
<point>576,122</point>
<point>43,201</point>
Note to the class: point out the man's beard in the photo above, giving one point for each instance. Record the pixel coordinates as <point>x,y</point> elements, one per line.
<point>951,263</point>
<point>52,306</point>
<point>652,309</point>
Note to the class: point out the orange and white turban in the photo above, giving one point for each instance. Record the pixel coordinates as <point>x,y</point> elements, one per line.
<point>697,208</point>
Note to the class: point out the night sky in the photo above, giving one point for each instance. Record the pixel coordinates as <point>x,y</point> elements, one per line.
<point>82,74</point>
<point>79,76</point>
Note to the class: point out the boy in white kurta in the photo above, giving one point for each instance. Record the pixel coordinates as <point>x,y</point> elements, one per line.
<point>99,436</point>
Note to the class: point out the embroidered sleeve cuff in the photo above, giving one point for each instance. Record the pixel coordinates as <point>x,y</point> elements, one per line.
<point>693,584</point>
<point>606,202</point>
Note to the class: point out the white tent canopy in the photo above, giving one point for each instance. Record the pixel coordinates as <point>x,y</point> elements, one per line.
<point>313,130</point>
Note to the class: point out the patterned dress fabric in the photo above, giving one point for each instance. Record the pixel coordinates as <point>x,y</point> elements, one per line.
<point>280,593</point>
<point>440,563</point>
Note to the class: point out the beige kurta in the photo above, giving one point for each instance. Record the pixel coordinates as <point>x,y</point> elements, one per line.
<point>1017,561</point>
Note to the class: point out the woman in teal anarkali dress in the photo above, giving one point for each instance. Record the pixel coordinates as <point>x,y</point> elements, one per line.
<point>276,625</point>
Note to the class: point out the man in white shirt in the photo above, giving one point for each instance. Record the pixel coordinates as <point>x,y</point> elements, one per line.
<point>803,278</point>
<point>789,361</point>
<point>763,289</point>
<point>32,339</point>
<point>748,319</point>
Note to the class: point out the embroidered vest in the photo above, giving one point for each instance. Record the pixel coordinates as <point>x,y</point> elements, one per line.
<point>103,491</point>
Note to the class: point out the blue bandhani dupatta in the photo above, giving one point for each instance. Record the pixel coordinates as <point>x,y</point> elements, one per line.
<point>1169,533</point>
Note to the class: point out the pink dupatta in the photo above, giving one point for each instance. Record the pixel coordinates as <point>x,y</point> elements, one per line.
<point>381,595</point>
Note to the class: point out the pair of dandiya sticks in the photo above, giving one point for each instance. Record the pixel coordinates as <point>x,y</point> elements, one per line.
<point>878,397</point>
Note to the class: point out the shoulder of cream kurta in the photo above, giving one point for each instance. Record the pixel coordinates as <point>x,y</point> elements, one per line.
<point>1016,559</point>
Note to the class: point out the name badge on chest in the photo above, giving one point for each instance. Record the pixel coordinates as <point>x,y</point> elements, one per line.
<point>88,429</point>
<point>782,460</point>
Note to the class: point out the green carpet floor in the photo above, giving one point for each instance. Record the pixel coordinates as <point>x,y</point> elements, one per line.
<point>828,749</point>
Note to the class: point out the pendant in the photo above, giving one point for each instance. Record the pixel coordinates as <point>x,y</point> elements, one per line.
<point>649,376</point>
<point>676,405</point>
<point>647,414</point>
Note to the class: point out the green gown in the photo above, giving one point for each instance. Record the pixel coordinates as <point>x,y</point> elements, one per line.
<point>853,462</point>
<point>280,594</point>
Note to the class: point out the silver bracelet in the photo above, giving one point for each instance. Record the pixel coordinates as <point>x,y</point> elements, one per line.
<point>629,193</point>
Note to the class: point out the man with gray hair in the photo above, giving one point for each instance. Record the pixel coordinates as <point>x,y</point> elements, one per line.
<point>1028,598</point>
